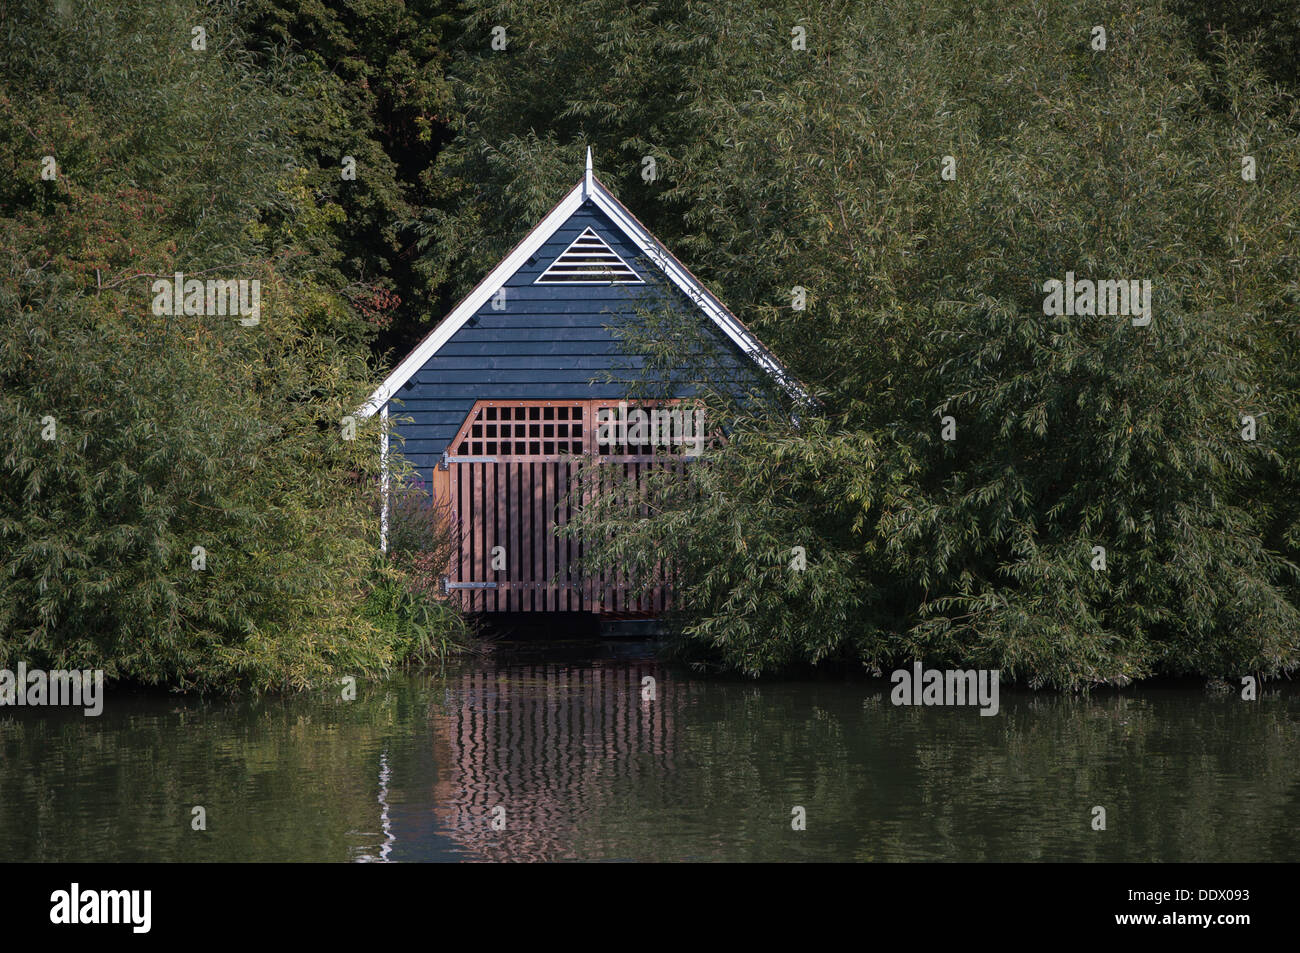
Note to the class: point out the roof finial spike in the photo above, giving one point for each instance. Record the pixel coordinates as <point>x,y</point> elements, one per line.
<point>586,182</point>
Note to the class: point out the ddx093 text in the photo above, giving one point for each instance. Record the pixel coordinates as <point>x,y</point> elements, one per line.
<point>1160,896</point>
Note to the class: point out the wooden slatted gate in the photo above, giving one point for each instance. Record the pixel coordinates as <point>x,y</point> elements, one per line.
<point>511,467</point>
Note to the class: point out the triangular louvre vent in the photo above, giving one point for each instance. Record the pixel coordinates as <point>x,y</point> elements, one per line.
<point>589,261</point>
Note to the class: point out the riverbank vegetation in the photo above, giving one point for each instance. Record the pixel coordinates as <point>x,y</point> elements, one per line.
<point>183,504</point>
<point>1070,498</point>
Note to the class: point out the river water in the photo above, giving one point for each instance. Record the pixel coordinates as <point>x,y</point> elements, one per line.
<point>555,752</point>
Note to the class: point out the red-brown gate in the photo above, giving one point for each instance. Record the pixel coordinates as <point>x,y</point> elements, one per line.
<point>511,468</point>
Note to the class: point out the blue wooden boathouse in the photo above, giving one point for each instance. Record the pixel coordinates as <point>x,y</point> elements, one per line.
<point>496,406</point>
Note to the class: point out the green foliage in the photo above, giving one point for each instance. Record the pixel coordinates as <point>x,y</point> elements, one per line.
<point>777,167</point>
<point>822,168</point>
<point>423,628</point>
<point>173,432</point>
<point>367,80</point>
<point>405,595</point>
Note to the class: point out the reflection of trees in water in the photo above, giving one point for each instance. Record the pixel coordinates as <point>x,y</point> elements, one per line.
<point>1183,776</point>
<point>547,743</point>
<point>709,770</point>
<point>283,778</point>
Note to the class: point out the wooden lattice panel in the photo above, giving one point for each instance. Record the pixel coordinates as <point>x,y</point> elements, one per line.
<point>667,430</point>
<point>523,430</point>
<point>513,466</point>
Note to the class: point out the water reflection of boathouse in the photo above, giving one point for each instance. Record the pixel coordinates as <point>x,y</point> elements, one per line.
<point>547,743</point>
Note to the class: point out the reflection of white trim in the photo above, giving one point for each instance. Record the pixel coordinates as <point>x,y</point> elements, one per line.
<point>383,470</point>
<point>385,852</point>
<point>590,188</point>
<point>385,822</point>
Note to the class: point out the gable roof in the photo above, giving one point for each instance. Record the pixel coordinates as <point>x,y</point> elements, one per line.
<point>593,190</point>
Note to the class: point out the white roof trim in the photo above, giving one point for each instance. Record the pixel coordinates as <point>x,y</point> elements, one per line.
<point>693,288</point>
<point>590,188</point>
<point>469,306</point>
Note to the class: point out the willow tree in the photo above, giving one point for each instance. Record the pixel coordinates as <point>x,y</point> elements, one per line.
<point>369,83</point>
<point>1072,497</point>
<point>177,502</point>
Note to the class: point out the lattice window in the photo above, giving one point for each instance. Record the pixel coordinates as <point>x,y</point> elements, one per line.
<point>589,261</point>
<point>669,429</point>
<point>532,430</point>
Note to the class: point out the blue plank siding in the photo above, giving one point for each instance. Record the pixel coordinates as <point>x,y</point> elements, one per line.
<point>550,342</point>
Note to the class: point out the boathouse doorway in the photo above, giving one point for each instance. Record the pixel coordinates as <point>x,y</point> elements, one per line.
<point>512,475</point>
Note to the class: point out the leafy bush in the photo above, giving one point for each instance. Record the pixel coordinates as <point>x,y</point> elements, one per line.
<point>178,505</point>
<point>823,168</point>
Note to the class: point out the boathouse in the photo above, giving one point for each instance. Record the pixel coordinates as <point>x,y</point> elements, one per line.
<point>497,404</point>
